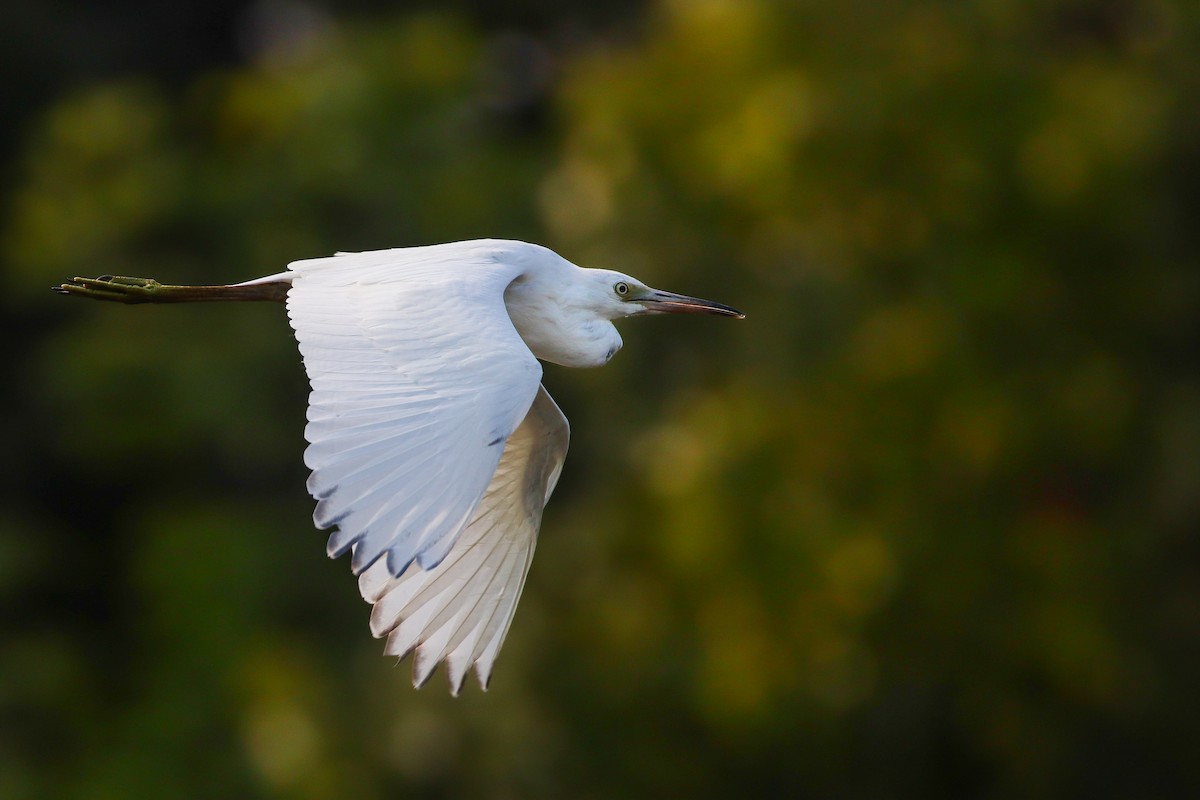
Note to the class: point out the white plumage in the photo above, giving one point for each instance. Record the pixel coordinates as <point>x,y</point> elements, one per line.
<point>432,444</point>
<point>419,380</point>
<point>461,610</point>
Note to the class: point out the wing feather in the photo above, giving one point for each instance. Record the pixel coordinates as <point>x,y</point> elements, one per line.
<point>460,611</point>
<point>417,375</point>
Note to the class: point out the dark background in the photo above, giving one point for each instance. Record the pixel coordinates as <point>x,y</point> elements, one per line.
<point>923,525</point>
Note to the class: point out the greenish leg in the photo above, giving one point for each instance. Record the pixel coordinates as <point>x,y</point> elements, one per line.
<point>121,289</point>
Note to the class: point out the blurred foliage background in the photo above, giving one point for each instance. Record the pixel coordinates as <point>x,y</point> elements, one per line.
<point>923,525</point>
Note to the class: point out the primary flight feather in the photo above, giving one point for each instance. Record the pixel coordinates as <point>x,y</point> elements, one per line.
<point>432,443</point>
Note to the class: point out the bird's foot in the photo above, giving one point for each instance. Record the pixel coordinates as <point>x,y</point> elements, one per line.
<point>115,288</point>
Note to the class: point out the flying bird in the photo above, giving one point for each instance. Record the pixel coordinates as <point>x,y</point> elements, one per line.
<point>433,445</point>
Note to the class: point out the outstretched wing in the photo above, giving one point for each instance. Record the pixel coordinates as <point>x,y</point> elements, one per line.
<point>461,610</point>
<point>418,379</point>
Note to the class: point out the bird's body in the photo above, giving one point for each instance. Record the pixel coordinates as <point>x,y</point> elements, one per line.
<point>432,444</point>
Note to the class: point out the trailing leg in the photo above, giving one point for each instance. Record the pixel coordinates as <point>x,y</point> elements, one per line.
<point>118,289</point>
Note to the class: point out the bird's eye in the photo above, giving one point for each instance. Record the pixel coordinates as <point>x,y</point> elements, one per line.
<point>622,288</point>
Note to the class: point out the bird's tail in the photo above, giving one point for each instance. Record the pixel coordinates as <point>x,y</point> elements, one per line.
<point>118,289</point>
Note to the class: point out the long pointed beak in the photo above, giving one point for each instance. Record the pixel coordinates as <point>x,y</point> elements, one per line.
<point>656,301</point>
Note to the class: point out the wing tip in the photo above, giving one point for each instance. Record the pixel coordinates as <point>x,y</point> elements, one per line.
<point>363,559</point>
<point>382,624</point>
<point>326,516</point>
<point>337,545</point>
<point>458,667</point>
<point>313,482</point>
<point>424,666</point>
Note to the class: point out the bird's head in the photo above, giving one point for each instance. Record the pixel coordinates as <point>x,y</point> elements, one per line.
<point>614,295</point>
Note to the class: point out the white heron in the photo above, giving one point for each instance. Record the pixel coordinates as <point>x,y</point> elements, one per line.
<point>432,443</point>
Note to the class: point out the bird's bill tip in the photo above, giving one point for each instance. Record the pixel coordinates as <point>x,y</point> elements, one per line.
<point>659,302</point>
